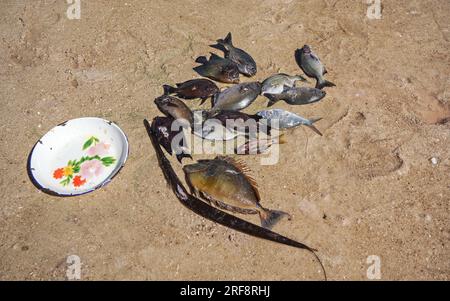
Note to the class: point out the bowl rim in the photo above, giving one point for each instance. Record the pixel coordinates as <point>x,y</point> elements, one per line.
<point>46,190</point>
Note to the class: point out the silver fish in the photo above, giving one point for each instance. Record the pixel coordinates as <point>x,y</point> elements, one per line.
<point>310,63</point>
<point>275,84</point>
<point>297,96</point>
<point>236,98</point>
<point>281,119</point>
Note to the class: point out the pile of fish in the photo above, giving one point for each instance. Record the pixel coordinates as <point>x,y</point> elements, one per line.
<point>223,184</point>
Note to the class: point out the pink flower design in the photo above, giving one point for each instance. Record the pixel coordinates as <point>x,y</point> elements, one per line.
<point>99,150</point>
<point>91,169</point>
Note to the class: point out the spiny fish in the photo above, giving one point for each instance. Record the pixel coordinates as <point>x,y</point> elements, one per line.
<point>243,60</point>
<point>224,182</point>
<point>275,84</point>
<point>258,146</point>
<point>213,214</point>
<point>165,133</point>
<point>192,89</point>
<point>236,98</point>
<point>218,69</point>
<point>312,66</point>
<point>297,96</point>
<point>175,108</point>
<point>281,119</point>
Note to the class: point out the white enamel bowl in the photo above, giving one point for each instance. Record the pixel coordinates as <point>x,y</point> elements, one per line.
<point>78,157</point>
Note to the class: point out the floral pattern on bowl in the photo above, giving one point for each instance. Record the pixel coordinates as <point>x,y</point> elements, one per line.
<point>78,172</point>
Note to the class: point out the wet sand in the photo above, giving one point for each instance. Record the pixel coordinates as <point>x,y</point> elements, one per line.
<point>367,187</point>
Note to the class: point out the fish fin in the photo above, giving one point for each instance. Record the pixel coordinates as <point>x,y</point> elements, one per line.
<point>325,71</point>
<point>203,100</point>
<point>168,89</point>
<point>228,41</point>
<point>214,57</point>
<point>322,84</point>
<point>269,218</point>
<point>298,57</point>
<point>181,156</point>
<point>244,169</point>
<point>272,99</point>
<point>202,60</point>
<point>200,70</point>
<point>219,47</point>
<point>316,130</point>
<point>213,99</point>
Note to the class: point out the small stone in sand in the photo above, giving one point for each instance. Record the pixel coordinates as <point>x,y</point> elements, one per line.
<point>434,161</point>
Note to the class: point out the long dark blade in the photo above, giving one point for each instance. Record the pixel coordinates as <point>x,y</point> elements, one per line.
<point>203,209</point>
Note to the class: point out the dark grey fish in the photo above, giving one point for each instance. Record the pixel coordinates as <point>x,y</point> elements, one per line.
<point>244,61</point>
<point>218,69</point>
<point>297,96</point>
<point>312,66</point>
<point>192,89</point>
<point>175,108</point>
<point>166,132</point>
<point>236,98</point>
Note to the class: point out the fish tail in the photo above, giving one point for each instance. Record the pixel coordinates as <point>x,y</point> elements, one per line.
<point>269,218</point>
<point>315,130</point>
<point>324,83</point>
<point>228,41</point>
<point>169,90</point>
<point>202,60</point>
<point>313,127</point>
<point>272,99</point>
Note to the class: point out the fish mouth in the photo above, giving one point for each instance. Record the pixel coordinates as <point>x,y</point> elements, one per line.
<point>306,49</point>
<point>161,100</point>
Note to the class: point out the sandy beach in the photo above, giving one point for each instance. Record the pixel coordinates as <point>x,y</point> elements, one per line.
<point>376,185</point>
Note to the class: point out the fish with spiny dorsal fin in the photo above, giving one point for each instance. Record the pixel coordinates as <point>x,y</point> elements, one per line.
<point>226,183</point>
